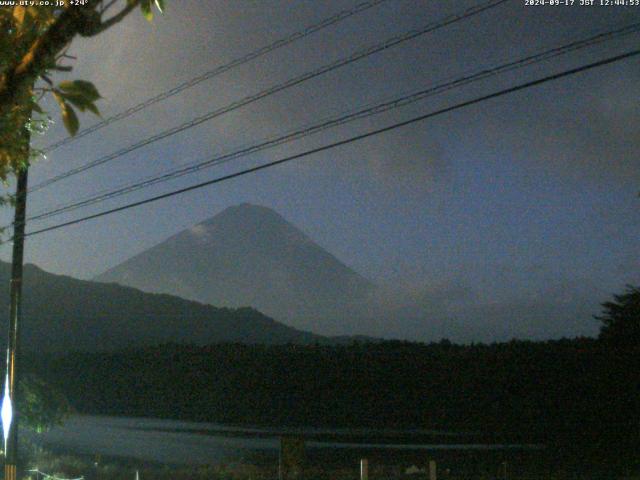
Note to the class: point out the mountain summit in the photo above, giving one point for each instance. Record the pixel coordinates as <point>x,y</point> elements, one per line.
<point>249,255</point>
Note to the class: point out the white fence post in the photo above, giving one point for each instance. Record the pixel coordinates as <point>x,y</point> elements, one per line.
<point>432,470</point>
<point>364,469</point>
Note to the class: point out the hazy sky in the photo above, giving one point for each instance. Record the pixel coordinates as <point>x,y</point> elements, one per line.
<point>514,217</point>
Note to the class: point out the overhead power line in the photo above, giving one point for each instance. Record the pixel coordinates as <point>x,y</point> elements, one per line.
<point>358,55</point>
<point>347,141</point>
<point>219,70</point>
<point>341,119</point>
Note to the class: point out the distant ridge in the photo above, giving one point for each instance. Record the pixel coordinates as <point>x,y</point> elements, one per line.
<point>249,255</point>
<point>62,313</point>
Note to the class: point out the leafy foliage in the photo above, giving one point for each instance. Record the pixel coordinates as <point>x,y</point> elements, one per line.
<point>33,43</point>
<point>81,94</point>
<point>42,406</point>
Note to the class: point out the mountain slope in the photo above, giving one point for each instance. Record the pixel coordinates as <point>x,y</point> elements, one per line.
<point>250,255</point>
<point>62,313</point>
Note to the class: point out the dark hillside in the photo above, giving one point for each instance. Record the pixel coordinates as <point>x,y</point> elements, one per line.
<point>62,313</point>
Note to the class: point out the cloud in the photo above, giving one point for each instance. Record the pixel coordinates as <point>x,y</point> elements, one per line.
<point>412,159</point>
<point>588,132</point>
<point>464,312</point>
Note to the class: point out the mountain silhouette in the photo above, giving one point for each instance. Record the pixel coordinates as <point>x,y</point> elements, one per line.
<point>62,313</point>
<point>249,255</point>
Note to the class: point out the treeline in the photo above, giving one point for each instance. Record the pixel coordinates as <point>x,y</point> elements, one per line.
<point>568,389</point>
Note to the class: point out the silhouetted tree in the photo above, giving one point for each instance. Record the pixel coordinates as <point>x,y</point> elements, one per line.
<point>621,319</point>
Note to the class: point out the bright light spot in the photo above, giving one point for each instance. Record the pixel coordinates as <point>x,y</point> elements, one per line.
<point>7,412</point>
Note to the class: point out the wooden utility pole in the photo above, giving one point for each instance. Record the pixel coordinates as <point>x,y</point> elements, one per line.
<point>15,314</point>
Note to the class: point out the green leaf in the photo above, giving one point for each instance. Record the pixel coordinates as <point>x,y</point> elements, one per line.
<point>80,88</point>
<point>69,117</point>
<point>93,109</point>
<point>145,7</point>
<point>81,103</point>
<point>76,100</point>
<point>88,88</point>
<point>70,120</point>
<point>59,99</point>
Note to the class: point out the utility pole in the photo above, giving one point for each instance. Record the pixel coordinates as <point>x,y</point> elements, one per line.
<point>10,411</point>
<point>15,314</point>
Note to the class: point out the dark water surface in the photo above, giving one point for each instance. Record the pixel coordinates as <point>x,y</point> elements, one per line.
<point>191,443</point>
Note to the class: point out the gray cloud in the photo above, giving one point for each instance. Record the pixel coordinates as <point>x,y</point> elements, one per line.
<point>464,313</point>
<point>592,134</point>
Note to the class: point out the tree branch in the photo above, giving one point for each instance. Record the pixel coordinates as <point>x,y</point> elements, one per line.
<point>41,55</point>
<point>107,6</point>
<point>117,18</point>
